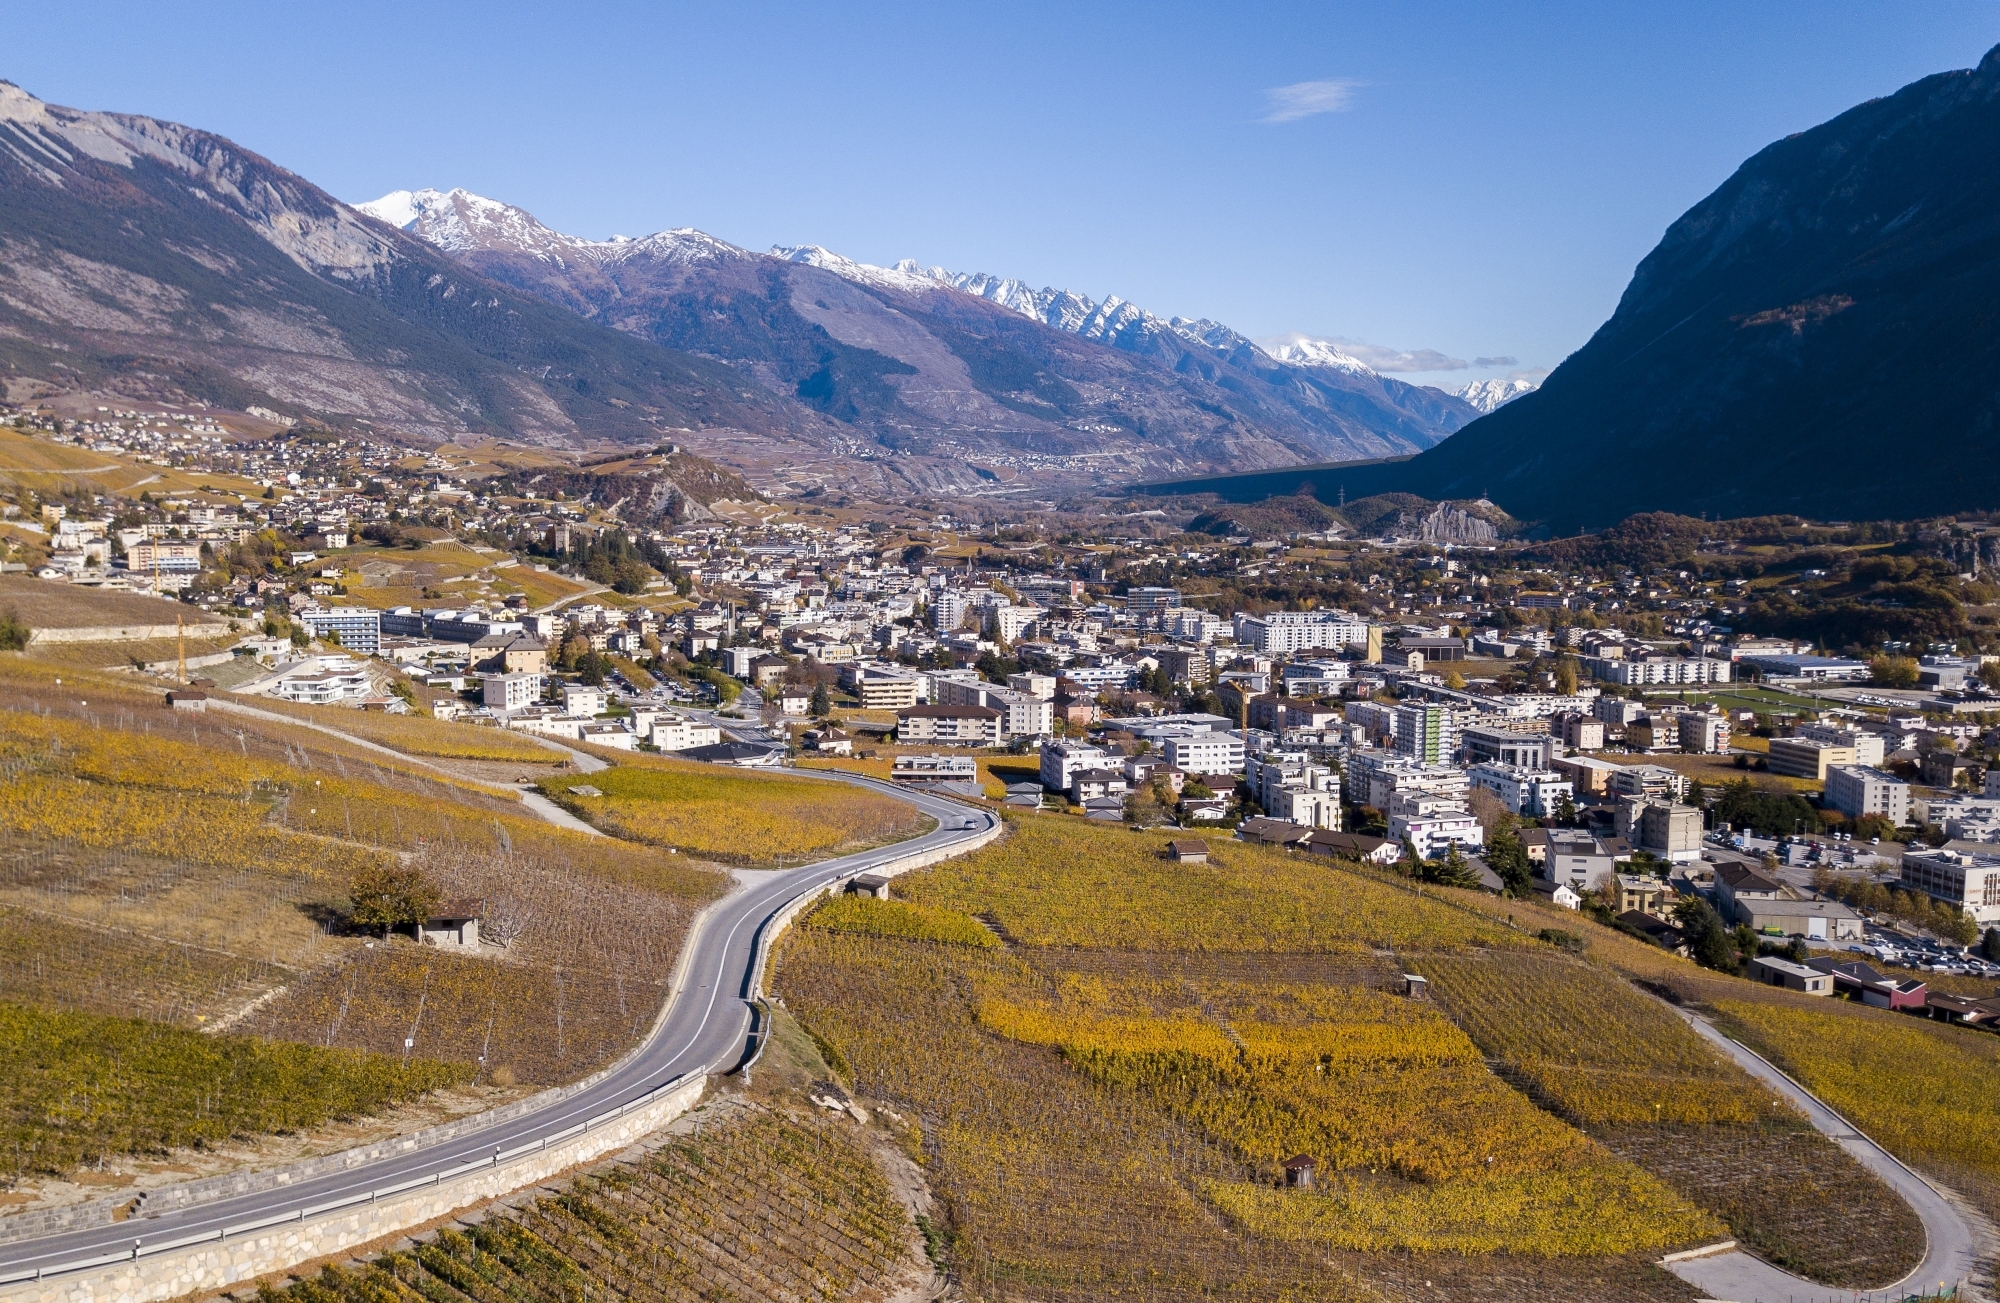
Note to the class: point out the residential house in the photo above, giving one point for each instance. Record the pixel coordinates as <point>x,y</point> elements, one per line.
<point>1738,886</point>
<point>1353,845</point>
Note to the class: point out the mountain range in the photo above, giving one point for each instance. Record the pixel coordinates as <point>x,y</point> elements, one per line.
<point>990,378</point>
<point>1816,337</point>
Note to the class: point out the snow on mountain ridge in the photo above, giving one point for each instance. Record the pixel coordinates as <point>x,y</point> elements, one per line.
<point>1487,395</point>
<point>459,221</point>
<point>1303,350</point>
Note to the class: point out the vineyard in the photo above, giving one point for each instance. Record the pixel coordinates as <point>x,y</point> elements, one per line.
<point>56,963</point>
<point>1062,882</point>
<point>754,1206</point>
<point>194,870</point>
<point>736,818</point>
<point>1622,1065</point>
<point>1638,1064</point>
<point>1944,1117</point>
<point>516,1023</point>
<point>418,736</point>
<point>81,1086</point>
<point>1371,1085</point>
<point>1056,1188</point>
<point>894,918</point>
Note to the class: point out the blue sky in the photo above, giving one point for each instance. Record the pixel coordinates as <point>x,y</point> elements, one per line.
<point>1477,179</point>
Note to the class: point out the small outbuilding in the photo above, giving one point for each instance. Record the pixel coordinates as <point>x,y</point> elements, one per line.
<point>1416,987</point>
<point>872,885</point>
<point>188,699</point>
<point>454,925</point>
<point>1299,1170</point>
<point>1772,971</point>
<point>1187,851</point>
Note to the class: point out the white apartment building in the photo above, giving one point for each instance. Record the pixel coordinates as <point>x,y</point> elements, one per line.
<point>950,607</point>
<point>579,699</point>
<point>1536,792</point>
<point>679,733</point>
<point>1204,753</point>
<point>1660,670</point>
<point>1869,748</point>
<point>1374,777</point>
<point>1009,623</point>
<point>323,687</point>
<point>1035,685</point>
<point>1427,734</point>
<point>1022,714</point>
<point>1855,790</point>
<point>1309,807</point>
<point>1434,834</point>
<point>1963,818</point>
<point>1061,761</point>
<point>880,689</point>
<point>1287,632</point>
<point>507,693</point>
<point>1315,678</point>
<point>1703,734</point>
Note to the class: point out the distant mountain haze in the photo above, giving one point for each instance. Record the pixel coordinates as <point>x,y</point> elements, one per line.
<point>1821,336</point>
<point>1046,386</point>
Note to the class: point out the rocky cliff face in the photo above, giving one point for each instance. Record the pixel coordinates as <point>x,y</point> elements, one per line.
<point>1818,336</point>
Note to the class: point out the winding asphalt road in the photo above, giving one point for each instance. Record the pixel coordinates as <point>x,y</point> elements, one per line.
<point>1951,1251</point>
<point>705,1029</point>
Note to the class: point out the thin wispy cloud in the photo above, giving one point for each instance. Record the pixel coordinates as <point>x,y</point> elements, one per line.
<point>1304,99</point>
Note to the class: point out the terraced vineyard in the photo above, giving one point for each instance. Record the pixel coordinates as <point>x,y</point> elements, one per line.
<point>194,869</point>
<point>1623,1066</point>
<point>757,1206</point>
<point>1106,1099</point>
<point>79,1087</point>
<point>1063,882</point>
<point>735,818</point>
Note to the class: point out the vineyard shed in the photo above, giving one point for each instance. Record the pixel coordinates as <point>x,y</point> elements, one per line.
<point>872,885</point>
<point>455,924</point>
<point>1187,851</point>
<point>1299,1171</point>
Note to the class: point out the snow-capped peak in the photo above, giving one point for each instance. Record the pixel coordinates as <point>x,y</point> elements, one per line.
<point>1486,395</point>
<point>459,221</point>
<point>1304,350</point>
<point>399,208</point>
<point>905,275</point>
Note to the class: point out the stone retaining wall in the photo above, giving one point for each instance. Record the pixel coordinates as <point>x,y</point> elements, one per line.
<point>215,1264</point>
<point>124,633</point>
